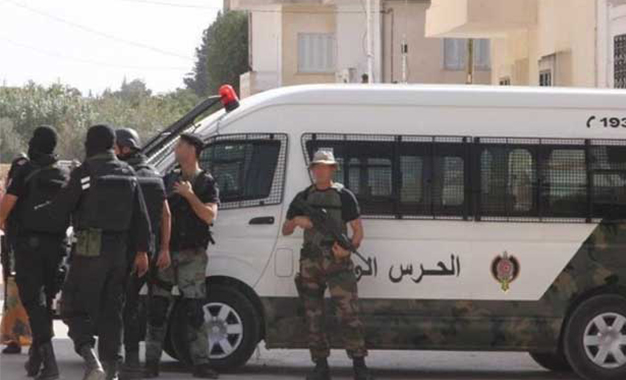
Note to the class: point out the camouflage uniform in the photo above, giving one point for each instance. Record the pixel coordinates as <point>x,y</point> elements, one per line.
<point>188,273</point>
<point>188,244</point>
<point>320,269</point>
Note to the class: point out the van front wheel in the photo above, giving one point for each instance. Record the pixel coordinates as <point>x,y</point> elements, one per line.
<point>555,362</point>
<point>595,338</point>
<point>232,325</point>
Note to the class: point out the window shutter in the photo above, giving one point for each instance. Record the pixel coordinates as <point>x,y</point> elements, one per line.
<point>316,53</point>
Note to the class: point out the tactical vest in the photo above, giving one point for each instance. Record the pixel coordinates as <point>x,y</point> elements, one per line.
<point>329,200</point>
<point>153,190</point>
<point>108,200</point>
<point>188,230</point>
<point>42,184</point>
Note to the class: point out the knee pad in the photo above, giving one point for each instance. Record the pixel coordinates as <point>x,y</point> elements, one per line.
<point>195,314</point>
<point>157,312</point>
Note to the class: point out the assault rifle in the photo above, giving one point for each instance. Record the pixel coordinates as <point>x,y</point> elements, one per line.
<point>323,223</point>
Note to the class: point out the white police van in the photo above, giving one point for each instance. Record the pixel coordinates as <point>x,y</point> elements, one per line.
<point>494,218</point>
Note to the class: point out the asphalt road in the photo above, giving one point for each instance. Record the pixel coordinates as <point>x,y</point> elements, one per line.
<point>293,364</point>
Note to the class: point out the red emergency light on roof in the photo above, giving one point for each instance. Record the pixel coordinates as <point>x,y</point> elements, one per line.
<point>229,97</point>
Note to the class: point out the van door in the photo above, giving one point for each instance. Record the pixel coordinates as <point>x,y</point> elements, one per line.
<point>249,170</point>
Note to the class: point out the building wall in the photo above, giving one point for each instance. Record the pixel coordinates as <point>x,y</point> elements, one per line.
<point>265,39</point>
<point>303,19</point>
<point>565,34</point>
<point>351,38</point>
<point>425,57</point>
<point>264,33</point>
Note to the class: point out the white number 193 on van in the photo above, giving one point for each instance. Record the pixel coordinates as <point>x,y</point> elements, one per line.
<point>495,219</point>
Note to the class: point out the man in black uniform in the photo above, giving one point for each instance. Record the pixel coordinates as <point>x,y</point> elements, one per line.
<point>127,148</point>
<point>193,197</point>
<point>107,207</point>
<point>40,245</point>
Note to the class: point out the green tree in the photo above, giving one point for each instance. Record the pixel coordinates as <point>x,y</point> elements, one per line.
<point>133,105</point>
<point>222,56</point>
<point>11,143</point>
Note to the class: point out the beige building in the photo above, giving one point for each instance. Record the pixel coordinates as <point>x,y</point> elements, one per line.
<point>541,42</point>
<point>324,41</point>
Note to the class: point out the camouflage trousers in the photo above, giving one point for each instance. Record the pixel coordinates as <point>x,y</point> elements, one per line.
<point>188,273</point>
<point>320,269</point>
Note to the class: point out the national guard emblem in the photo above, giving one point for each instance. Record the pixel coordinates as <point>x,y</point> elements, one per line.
<point>505,269</point>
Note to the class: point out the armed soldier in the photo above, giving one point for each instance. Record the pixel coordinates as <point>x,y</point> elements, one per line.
<point>107,206</point>
<point>40,245</point>
<point>325,263</point>
<point>127,148</point>
<point>193,197</point>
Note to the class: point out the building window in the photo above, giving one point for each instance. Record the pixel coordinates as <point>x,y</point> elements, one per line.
<point>545,78</point>
<point>505,81</point>
<point>482,54</point>
<point>619,58</point>
<point>455,54</point>
<point>316,53</point>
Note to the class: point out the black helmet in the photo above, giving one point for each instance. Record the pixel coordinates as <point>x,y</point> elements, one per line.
<point>128,137</point>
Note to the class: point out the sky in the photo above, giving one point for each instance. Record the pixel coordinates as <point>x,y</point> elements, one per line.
<point>93,45</point>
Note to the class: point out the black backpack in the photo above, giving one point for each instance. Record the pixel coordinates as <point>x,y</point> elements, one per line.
<point>42,184</point>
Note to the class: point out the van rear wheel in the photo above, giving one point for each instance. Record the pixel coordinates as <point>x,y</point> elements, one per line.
<point>595,338</point>
<point>232,325</point>
<point>555,362</point>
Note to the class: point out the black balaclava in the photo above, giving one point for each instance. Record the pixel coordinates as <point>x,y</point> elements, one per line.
<point>100,138</point>
<point>42,143</point>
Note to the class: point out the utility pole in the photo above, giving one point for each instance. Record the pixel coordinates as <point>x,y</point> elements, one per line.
<point>404,47</point>
<point>370,53</point>
<point>470,61</point>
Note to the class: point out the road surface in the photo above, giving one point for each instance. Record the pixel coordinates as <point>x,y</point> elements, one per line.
<point>293,364</point>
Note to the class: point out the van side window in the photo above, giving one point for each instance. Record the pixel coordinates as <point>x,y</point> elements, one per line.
<point>248,169</point>
<point>483,178</point>
<point>608,171</point>
<point>508,178</point>
<point>564,182</point>
<point>365,168</point>
<point>401,176</point>
<point>432,178</point>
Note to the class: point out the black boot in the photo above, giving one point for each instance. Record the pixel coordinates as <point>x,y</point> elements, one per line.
<point>151,370</point>
<point>33,364</point>
<point>320,372</point>
<point>93,368</point>
<point>49,370</point>
<point>131,369</point>
<point>12,349</point>
<point>203,371</point>
<point>112,370</point>
<point>361,372</point>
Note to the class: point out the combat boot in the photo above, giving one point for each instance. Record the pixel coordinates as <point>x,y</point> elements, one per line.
<point>49,371</point>
<point>33,364</point>
<point>203,371</point>
<point>111,369</point>
<point>131,369</point>
<point>361,372</point>
<point>93,368</point>
<point>151,370</point>
<point>320,372</point>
